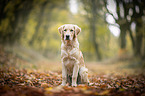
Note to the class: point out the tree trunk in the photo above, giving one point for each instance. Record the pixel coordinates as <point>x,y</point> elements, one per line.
<point>39,23</point>
<point>93,30</point>
<point>23,17</point>
<point>132,38</point>
<point>122,37</point>
<point>139,37</point>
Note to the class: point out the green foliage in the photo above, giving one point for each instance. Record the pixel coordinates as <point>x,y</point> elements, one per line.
<point>38,29</point>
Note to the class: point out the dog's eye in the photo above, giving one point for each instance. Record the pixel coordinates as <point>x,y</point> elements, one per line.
<point>71,30</point>
<point>64,29</point>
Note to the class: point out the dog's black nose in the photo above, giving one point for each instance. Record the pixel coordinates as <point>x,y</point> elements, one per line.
<point>67,37</point>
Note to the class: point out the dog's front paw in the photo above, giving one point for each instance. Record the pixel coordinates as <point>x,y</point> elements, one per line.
<point>74,85</point>
<point>63,84</point>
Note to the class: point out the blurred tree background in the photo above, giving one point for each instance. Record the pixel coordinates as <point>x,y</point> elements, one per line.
<point>31,26</point>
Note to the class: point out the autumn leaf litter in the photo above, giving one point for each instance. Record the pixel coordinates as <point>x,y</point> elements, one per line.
<point>20,82</point>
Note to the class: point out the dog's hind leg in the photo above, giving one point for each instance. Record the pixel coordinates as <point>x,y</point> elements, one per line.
<point>84,75</point>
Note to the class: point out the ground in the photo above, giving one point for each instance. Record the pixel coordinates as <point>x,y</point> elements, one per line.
<point>43,78</point>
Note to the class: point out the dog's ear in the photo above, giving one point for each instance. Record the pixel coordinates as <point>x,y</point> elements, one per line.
<point>60,29</point>
<point>77,30</point>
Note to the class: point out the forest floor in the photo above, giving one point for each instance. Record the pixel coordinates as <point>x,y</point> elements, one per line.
<point>43,78</point>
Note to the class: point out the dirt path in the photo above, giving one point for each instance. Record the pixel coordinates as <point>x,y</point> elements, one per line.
<point>117,67</point>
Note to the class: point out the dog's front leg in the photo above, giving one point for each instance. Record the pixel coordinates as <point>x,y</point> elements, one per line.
<point>64,75</point>
<point>75,74</point>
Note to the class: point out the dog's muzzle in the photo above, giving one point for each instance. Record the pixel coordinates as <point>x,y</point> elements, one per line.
<point>67,37</point>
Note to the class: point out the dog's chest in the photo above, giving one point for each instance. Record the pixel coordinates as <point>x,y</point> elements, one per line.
<point>69,58</point>
<point>70,55</point>
<point>69,64</point>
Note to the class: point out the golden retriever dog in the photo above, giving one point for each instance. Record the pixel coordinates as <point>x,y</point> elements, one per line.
<point>73,68</point>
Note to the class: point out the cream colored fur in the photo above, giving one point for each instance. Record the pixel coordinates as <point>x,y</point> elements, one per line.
<point>71,56</point>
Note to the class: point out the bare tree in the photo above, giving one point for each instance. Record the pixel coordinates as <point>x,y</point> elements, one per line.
<point>125,19</point>
<point>92,7</point>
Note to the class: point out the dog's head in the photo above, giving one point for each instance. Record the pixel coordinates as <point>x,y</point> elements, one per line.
<point>69,31</point>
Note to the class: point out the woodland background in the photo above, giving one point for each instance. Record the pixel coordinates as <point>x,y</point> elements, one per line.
<point>112,41</point>
<point>34,25</point>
